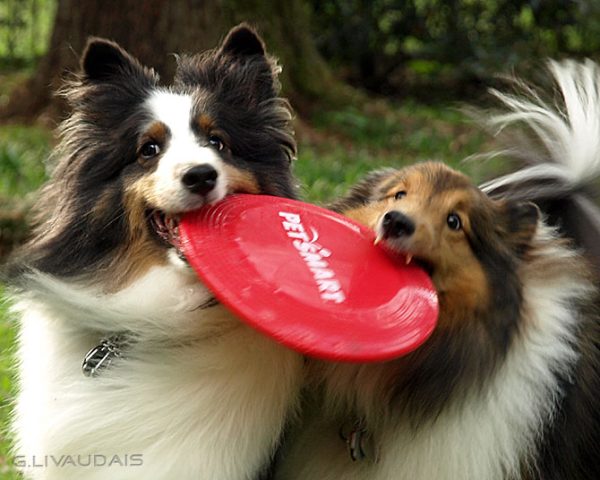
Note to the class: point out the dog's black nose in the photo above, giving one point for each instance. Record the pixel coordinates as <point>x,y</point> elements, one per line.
<point>396,224</point>
<point>200,179</point>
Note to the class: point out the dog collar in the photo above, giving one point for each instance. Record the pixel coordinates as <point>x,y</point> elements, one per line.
<point>359,442</point>
<point>101,356</point>
<point>111,347</point>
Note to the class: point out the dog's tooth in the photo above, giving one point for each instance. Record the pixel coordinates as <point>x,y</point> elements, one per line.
<point>408,258</point>
<point>378,239</point>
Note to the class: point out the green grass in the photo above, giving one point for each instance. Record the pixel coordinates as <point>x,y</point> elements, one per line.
<point>7,342</point>
<point>334,152</point>
<point>343,145</point>
<point>22,151</point>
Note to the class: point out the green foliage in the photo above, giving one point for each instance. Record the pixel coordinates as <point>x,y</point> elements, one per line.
<point>22,154</point>
<point>25,27</point>
<point>390,45</point>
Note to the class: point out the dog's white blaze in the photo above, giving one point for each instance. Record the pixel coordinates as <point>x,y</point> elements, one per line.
<point>182,152</point>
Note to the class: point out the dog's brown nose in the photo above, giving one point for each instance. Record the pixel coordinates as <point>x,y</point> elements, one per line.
<point>200,179</point>
<point>396,224</point>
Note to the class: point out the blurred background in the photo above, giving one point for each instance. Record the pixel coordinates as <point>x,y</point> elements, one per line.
<point>373,83</point>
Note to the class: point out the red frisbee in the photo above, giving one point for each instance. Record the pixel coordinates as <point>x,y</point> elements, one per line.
<point>309,278</point>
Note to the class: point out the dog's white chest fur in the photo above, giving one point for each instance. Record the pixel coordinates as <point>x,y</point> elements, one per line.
<point>197,396</point>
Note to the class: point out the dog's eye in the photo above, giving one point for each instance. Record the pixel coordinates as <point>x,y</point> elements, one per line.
<point>216,142</point>
<point>149,150</point>
<point>454,222</point>
<point>400,194</point>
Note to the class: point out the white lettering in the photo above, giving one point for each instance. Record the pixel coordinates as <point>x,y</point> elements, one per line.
<point>337,297</point>
<point>290,217</point>
<point>314,256</point>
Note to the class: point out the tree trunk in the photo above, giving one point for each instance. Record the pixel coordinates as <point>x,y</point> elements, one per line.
<point>153,29</point>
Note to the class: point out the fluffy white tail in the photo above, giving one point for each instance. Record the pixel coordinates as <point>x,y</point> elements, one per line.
<point>563,157</point>
<point>565,152</point>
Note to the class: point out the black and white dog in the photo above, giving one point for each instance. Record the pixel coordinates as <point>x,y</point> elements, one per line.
<point>189,392</point>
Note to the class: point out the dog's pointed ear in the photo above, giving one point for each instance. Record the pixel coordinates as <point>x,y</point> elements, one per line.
<point>104,60</point>
<point>239,71</point>
<point>364,191</point>
<point>521,221</point>
<point>245,51</point>
<point>243,41</point>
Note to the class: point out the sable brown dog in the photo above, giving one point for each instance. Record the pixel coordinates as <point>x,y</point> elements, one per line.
<point>508,385</point>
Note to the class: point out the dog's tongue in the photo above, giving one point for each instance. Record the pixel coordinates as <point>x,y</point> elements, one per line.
<point>309,278</point>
